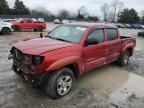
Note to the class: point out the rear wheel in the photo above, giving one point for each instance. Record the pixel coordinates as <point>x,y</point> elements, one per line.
<point>35,30</point>
<point>16,28</point>
<point>40,29</point>
<point>141,34</point>
<point>125,58</point>
<point>60,83</point>
<point>6,31</point>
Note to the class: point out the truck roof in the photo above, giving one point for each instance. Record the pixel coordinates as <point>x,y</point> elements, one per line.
<point>26,19</point>
<point>93,25</point>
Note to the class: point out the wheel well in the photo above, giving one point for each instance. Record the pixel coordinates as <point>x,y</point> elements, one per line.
<point>15,26</point>
<point>5,27</point>
<point>130,51</point>
<point>40,26</point>
<point>75,69</point>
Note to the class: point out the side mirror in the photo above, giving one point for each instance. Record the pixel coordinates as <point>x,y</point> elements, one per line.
<point>91,42</point>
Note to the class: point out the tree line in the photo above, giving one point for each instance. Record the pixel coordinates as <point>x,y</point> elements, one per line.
<point>112,12</point>
<point>18,9</point>
<point>115,12</point>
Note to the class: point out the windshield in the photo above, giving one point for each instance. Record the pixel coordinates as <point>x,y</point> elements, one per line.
<point>68,33</point>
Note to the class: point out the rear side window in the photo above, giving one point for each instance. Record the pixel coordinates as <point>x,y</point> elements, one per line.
<point>7,21</point>
<point>97,34</point>
<point>13,20</point>
<point>112,34</point>
<point>28,21</point>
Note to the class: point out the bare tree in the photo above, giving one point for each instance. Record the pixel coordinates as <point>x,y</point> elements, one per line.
<point>105,11</point>
<point>82,12</point>
<point>41,11</point>
<point>73,15</point>
<point>64,13</point>
<point>142,13</point>
<point>117,6</point>
<point>110,16</point>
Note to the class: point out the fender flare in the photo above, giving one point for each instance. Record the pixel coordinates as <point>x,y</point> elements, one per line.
<point>17,26</point>
<point>126,48</point>
<point>64,62</point>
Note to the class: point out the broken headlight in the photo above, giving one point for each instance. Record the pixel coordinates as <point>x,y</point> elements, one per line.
<point>37,60</point>
<point>26,59</point>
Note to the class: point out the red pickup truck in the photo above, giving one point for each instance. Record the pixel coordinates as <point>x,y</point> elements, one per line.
<point>28,23</point>
<point>55,61</point>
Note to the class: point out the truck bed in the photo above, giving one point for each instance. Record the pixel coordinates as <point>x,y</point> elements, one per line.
<point>125,37</point>
<point>125,40</point>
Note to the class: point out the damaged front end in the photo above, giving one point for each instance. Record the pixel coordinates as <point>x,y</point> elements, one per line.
<point>23,66</point>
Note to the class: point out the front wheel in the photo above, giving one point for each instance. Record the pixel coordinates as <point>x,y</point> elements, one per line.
<point>35,30</point>
<point>125,58</point>
<point>60,83</point>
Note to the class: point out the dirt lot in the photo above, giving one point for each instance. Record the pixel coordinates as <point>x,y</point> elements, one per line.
<point>110,86</point>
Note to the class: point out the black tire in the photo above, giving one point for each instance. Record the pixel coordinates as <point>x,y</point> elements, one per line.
<point>125,59</point>
<point>35,30</point>
<point>40,29</point>
<point>54,83</point>
<point>141,34</point>
<point>16,28</point>
<point>6,31</point>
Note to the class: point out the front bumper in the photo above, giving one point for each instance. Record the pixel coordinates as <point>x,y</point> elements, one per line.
<point>35,80</point>
<point>12,30</point>
<point>27,72</point>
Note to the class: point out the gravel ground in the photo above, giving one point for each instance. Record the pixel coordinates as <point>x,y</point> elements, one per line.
<point>110,86</point>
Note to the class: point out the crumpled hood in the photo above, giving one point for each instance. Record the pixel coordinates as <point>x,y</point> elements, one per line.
<point>38,46</point>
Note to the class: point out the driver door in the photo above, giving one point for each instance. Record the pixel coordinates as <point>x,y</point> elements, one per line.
<point>95,55</point>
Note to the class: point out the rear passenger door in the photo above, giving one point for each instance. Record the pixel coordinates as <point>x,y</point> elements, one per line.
<point>113,45</point>
<point>28,24</point>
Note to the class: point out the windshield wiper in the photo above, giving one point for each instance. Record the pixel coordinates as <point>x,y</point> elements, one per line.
<point>58,39</point>
<point>51,37</point>
<point>63,40</point>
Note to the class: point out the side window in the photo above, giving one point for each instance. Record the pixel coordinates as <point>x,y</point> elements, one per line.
<point>28,21</point>
<point>7,21</point>
<point>23,21</point>
<point>13,20</point>
<point>112,34</point>
<point>97,34</point>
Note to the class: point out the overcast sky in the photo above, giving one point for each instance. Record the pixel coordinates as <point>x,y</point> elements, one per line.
<point>93,6</point>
